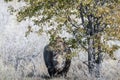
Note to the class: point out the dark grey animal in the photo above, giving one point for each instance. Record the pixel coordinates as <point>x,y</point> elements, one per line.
<point>56,61</point>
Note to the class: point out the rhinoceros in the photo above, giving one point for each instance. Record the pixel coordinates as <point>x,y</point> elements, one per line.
<point>56,60</point>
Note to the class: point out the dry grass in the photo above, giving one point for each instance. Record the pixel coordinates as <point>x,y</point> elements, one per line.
<point>21,58</point>
<point>37,71</point>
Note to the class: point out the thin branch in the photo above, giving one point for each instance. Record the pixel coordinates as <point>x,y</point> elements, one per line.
<point>79,42</point>
<point>81,15</point>
<point>70,20</point>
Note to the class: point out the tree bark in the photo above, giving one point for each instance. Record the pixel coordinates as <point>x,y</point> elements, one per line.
<point>94,59</point>
<point>98,61</point>
<point>92,29</point>
<point>94,52</point>
<point>90,56</point>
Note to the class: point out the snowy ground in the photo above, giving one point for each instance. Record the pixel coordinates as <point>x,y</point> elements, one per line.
<point>22,56</point>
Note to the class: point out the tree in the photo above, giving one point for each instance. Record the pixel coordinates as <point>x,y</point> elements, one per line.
<point>95,23</point>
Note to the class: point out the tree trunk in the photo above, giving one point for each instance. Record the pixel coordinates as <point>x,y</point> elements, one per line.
<point>94,59</point>
<point>92,29</point>
<point>90,56</point>
<point>94,52</point>
<point>98,62</point>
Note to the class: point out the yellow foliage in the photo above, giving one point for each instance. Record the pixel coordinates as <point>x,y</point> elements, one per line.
<point>108,13</point>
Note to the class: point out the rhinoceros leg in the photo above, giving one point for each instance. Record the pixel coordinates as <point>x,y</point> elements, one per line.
<point>48,58</point>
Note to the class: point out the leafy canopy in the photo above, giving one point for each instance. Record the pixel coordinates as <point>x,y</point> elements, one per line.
<point>73,16</point>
